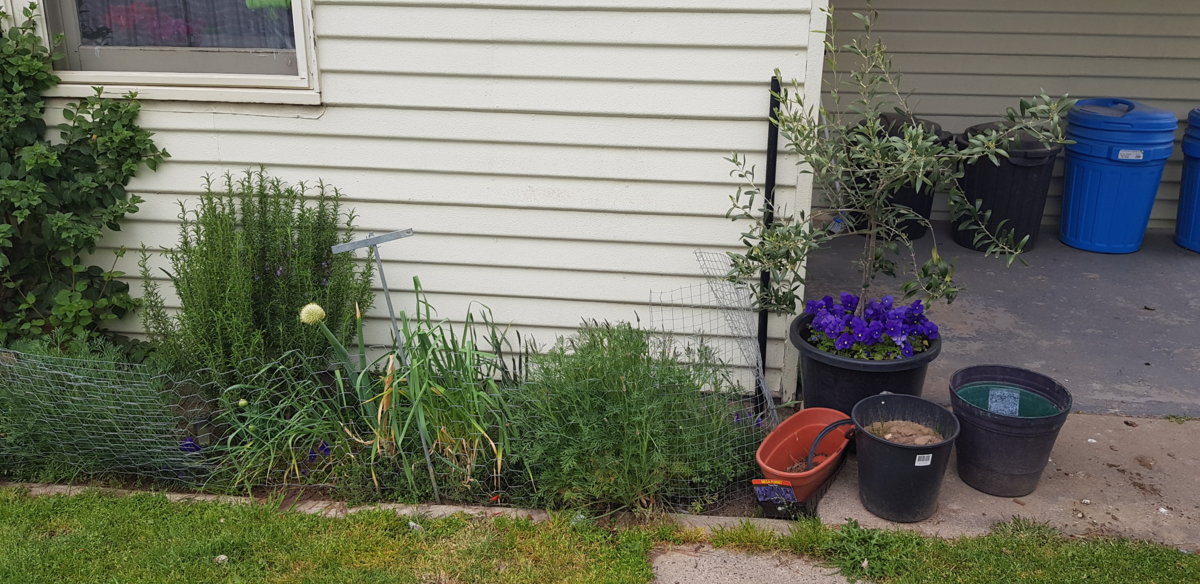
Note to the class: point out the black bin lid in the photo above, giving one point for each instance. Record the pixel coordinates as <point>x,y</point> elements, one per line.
<point>1023,145</point>
<point>894,124</point>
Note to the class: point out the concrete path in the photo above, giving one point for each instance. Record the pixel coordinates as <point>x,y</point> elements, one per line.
<point>1109,475</point>
<point>703,564</point>
<point>1130,477</point>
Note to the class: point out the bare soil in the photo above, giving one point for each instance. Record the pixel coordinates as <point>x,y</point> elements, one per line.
<point>799,465</point>
<point>905,432</point>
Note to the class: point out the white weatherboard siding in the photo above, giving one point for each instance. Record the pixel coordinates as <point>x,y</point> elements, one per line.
<point>966,61</point>
<point>558,159</point>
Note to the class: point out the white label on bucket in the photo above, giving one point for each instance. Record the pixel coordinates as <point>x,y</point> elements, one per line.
<point>1131,154</point>
<point>1004,401</point>
<point>924,460</point>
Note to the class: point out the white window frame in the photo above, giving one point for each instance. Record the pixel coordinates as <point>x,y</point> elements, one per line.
<point>299,89</point>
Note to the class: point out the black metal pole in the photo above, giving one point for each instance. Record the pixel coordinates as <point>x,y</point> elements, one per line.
<point>764,278</point>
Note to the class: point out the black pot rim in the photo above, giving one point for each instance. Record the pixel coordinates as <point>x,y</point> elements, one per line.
<point>800,341</point>
<point>945,439</point>
<point>988,372</point>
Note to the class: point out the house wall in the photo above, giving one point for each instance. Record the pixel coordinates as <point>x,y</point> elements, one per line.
<point>559,160</point>
<point>966,61</point>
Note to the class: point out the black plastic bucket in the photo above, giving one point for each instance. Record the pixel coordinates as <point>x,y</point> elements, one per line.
<point>1010,419</point>
<point>899,482</point>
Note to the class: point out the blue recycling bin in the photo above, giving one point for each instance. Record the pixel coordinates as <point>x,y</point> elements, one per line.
<point>1187,221</point>
<point>1112,172</point>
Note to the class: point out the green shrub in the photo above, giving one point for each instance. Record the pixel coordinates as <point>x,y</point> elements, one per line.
<point>57,197</point>
<point>253,251</point>
<point>615,417</point>
<point>70,408</point>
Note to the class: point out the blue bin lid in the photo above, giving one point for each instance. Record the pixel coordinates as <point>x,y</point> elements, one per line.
<point>1194,118</point>
<point>1114,113</point>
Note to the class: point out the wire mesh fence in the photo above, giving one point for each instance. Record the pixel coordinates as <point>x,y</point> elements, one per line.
<point>62,417</point>
<point>713,322</point>
<point>295,422</point>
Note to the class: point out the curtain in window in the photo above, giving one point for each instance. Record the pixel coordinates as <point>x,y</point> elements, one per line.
<point>255,24</point>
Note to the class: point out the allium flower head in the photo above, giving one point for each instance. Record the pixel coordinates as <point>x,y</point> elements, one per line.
<point>312,313</point>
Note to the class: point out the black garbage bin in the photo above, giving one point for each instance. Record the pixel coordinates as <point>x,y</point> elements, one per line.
<point>1013,190</point>
<point>921,201</point>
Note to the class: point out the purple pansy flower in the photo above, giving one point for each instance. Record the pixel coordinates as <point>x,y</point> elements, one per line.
<point>844,341</point>
<point>885,330</point>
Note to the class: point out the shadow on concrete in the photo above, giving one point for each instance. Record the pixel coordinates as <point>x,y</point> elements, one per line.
<point>1122,332</point>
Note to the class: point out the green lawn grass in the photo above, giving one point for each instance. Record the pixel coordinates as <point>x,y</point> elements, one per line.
<point>100,538</point>
<point>1015,551</point>
<point>97,538</point>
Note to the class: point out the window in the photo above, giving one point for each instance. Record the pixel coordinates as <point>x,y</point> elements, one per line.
<point>154,45</point>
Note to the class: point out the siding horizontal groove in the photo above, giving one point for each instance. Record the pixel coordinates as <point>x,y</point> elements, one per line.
<point>358,198</point>
<point>573,269</point>
<point>781,46</point>
<point>449,293</point>
<point>547,7</point>
<point>716,81</point>
<point>550,112</point>
<point>959,8</point>
<point>434,139</point>
<point>991,32</point>
<point>363,230</point>
<point>434,262</point>
<point>1026,76</point>
<point>347,201</point>
<point>620,180</point>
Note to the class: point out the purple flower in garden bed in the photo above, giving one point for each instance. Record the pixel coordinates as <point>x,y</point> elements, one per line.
<point>884,331</point>
<point>189,445</point>
<point>322,449</point>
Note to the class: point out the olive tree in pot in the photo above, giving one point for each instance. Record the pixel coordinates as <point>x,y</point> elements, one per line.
<point>855,346</point>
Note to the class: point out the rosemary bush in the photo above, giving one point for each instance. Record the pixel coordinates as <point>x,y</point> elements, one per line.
<point>253,250</point>
<point>615,418</point>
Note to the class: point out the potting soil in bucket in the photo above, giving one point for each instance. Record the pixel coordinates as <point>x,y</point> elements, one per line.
<point>1010,419</point>
<point>901,482</point>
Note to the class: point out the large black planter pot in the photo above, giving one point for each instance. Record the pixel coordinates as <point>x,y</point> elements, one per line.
<point>1010,419</point>
<point>831,381</point>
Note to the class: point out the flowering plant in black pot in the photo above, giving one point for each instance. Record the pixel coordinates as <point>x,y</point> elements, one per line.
<point>857,159</point>
<point>884,331</point>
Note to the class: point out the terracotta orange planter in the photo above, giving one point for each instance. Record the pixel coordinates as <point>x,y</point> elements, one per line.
<point>790,442</point>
